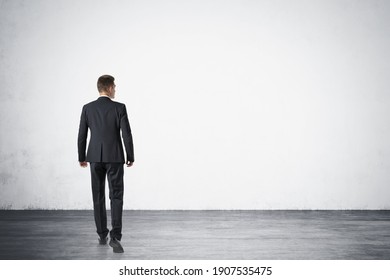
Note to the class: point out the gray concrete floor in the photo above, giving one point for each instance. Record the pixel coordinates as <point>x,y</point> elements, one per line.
<point>208,235</point>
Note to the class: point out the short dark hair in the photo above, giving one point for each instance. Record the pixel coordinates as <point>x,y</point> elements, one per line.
<point>105,82</point>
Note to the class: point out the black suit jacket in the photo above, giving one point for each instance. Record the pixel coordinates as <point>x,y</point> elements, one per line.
<point>105,119</point>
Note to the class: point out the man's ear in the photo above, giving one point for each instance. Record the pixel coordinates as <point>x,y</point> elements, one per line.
<point>111,89</point>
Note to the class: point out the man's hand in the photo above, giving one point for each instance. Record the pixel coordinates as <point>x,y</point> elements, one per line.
<point>83,164</point>
<point>129,163</point>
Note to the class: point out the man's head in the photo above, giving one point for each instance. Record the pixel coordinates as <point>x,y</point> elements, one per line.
<point>106,85</point>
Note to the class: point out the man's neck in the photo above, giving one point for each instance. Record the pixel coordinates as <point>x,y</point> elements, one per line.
<point>103,94</point>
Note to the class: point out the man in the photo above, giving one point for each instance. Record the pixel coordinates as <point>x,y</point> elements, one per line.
<point>105,119</point>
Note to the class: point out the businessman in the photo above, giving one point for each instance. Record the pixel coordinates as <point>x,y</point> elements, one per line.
<point>106,119</point>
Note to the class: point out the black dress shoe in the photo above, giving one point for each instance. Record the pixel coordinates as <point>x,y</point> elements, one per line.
<point>103,241</point>
<point>116,245</point>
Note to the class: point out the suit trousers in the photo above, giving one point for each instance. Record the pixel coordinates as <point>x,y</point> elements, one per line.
<point>114,173</point>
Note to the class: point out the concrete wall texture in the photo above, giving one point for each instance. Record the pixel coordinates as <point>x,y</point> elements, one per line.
<point>233,104</point>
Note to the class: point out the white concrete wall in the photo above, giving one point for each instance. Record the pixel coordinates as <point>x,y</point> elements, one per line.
<point>233,104</point>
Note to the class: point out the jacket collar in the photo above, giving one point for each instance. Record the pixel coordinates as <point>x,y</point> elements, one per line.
<point>103,97</point>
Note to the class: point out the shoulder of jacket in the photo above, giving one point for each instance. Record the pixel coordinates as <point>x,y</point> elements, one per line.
<point>118,104</point>
<point>89,104</point>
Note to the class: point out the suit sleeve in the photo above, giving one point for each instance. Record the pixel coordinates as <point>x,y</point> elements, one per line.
<point>126,135</point>
<point>82,138</point>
